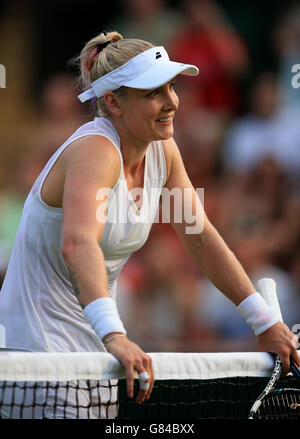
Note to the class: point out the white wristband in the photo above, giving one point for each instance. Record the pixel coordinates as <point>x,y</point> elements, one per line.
<point>103,316</point>
<point>257,313</point>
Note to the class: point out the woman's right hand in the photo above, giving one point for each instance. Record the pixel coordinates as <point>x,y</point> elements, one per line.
<point>281,341</point>
<point>133,359</point>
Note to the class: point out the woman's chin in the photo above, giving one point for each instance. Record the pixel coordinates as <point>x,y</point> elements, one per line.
<point>165,133</point>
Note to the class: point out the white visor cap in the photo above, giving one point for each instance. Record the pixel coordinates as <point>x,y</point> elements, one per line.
<point>149,69</point>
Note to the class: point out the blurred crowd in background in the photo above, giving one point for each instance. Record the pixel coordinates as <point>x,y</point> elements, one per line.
<point>239,134</point>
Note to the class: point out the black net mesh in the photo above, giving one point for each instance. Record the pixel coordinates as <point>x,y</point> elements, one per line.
<point>224,398</point>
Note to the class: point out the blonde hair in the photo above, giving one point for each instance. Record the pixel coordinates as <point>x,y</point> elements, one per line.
<point>97,61</point>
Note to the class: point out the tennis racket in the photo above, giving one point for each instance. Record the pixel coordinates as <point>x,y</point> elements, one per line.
<point>273,402</point>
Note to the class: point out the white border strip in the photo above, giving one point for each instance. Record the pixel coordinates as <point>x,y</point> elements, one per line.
<point>46,366</point>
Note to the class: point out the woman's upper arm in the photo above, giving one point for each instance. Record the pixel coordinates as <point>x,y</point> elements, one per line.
<point>92,163</point>
<point>176,172</point>
<point>189,218</point>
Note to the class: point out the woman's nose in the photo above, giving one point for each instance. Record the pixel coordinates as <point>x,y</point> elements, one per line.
<point>172,101</point>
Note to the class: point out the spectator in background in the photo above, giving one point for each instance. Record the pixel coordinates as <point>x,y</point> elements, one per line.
<point>207,38</point>
<point>23,167</point>
<point>149,20</point>
<point>59,115</point>
<point>266,132</point>
<point>263,200</point>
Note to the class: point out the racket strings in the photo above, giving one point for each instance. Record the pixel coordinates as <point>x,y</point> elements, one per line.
<point>280,404</point>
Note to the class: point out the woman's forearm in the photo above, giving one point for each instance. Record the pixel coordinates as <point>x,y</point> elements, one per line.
<point>215,259</point>
<point>85,262</point>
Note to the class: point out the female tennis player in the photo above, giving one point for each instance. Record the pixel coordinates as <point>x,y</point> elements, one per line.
<point>93,206</point>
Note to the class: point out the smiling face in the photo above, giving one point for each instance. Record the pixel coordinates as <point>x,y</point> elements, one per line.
<point>147,115</point>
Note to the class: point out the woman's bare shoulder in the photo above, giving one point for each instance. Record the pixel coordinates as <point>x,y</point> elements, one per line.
<point>94,154</point>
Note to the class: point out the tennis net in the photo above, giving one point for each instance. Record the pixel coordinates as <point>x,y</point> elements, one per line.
<point>92,385</point>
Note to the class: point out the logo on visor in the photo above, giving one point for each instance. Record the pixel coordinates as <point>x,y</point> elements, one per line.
<point>158,55</point>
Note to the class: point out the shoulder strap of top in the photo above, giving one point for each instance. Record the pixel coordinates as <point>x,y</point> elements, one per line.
<point>157,162</point>
<point>162,160</point>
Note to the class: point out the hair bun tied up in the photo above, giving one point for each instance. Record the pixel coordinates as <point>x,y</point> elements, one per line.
<point>102,46</point>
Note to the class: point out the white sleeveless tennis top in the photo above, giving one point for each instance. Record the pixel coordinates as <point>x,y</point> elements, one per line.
<point>38,307</point>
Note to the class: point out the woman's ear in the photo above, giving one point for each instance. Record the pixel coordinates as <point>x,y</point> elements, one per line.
<point>112,103</point>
